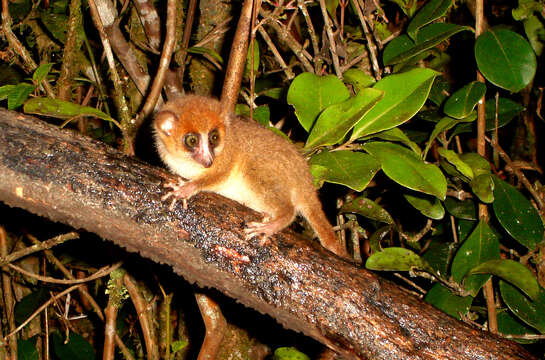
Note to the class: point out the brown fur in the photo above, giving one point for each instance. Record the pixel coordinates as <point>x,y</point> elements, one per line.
<point>251,165</point>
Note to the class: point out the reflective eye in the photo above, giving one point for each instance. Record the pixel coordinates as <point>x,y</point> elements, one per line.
<point>214,138</point>
<point>191,140</point>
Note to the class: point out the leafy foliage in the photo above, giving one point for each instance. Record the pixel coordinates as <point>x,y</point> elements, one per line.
<point>393,127</point>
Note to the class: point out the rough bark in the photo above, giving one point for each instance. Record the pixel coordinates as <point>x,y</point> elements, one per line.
<point>84,183</point>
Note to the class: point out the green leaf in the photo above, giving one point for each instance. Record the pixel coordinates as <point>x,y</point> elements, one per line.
<point>5,91</point>
<point>406,168</point>
<point>438,255</point>
<point>526,8</point>
<point>29,304</point>
<point>358,79</point>
<point>439,90</point>
<point>507,110</point>
<point>517,215</point>
<point>483,187</point>
<point>443,299</point>
<point>62,109</point>
<point>336,120</point>
<point>513,272</point>
<point>376,238</point>
<point>531,312</point>
<point>404,95</point>
<point>407,6</point>
<point>352,169</point>
<point>430,12</point>
<point>19,94</point>
<point>461,209</point>
<point>535,32</point>
<point>395,134</point>
<point>178,345</point>
<point>479,165</point>
<point>26,349</point>
<point>262,113</point>
<point>205,51</point>
<point>510,325</point>
<point>396,48</point>
<point>460,104</point>
<point>505,59</point>
<point>445,124</point>
<point>481,245</point>
<point>248,67</point>
<point>368,208</point>
<point>310,94</point>
<point>289,353</point>
<point>77,348</point>
<point>41,73</point>
<point>56,24</point>
<point>430,115</point>
<point>274,93</point>
<point>319,174</point>
<point>464,228</point>
<point>427,205</point>
<point>455,160</point>
<point>331,6</point>
<point>397,259</point>
<point>433,34</point>
<point>451,170</point>
<point>427,38</point>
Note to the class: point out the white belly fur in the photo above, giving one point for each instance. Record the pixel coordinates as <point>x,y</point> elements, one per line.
<point>236,188</point>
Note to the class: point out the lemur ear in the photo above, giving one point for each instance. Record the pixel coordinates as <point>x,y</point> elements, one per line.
<point>165,121</point>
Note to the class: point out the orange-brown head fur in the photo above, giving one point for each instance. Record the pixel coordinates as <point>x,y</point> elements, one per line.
<point>190,133</point>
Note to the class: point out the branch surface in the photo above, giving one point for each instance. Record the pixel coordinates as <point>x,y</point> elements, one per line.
<point>71,179</point>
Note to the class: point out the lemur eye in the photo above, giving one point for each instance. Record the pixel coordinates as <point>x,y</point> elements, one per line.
<point>191,140</point>
<point>214,138</point>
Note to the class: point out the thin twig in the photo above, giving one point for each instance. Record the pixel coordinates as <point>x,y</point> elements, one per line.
<point>19,49</point>
<point>48,244</point>
<point>215,325</point>
<point>488,289</point>
<point>523,336</point>
<point>354,61</point>
<point>100,273</point>
<point>313,38</point>
<point>116,80</point>
<point>256,5</point>
<point>237,57</point>
<point>283,35</point>
<point>453,227</point>
<point>215,33</point>
<point>421,292</point>
<point>71,47</point>
<point>115,287</point>
<point>517,172</point>
<point>149,18</point>
<point>187,34</point>
<point>289,74</point>
<point>331,37</point>
<point>41,308</point>
<point>370,44</point>
<point>7,298</point>
<point>85,295</point>
<point>419,235</point>
<point>164,62</point>
<point>143,316</point>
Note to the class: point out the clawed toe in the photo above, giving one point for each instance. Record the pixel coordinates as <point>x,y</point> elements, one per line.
<point>179,191</point>
<point>260,230</point>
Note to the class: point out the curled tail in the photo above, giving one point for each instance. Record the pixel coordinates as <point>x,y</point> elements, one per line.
<point>313,213</point>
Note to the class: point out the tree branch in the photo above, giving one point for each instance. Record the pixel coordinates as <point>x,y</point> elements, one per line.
<point>84,183</point>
